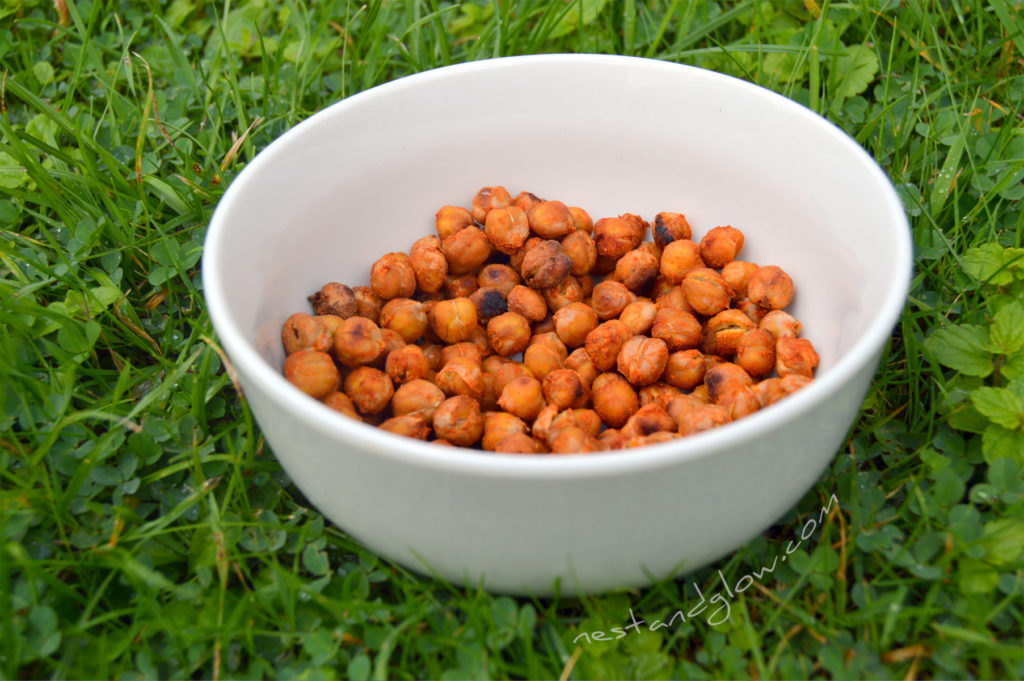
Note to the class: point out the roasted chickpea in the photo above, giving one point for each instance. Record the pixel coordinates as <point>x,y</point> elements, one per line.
<point>617,236</point>
<point>725,330</point>
<point>489,302</point>
<point>573,322</point>
<point>528,303</point>
<point>305,332</point>
<point>790,384</point>
<point>408,425</point>
<point>637,269</point>
<point>541,359</point>
<point>611,438</point>
<point>429,264</point>
<point>703,418</point>
<point>460,286</point>
<point>450,219</point>
<point>657,393</point>
<point>580,362</point>
<point>501,277</point>
<point>368,303</point>
<point>678,258</point>
<point>489,401</point>
<point>737,274</point>
<point>546,325</point>
<point>313,372</point>
<point>369,389</point>
<point>682,404</point>
<point>725,377</point>
<point>392,341</point>
<point>432,352</point>
<point>610,298</point>
<point>642,360</point>
<point>769,391</point>
<point>404,316</point>
<point>586,286</point>
<point>459,421</point>
<point>407,363</point>
<point>551,339</point>
<point>669,227</point>
<point>660,287</point>
<point>674,298</point>
<point>526,200</point>
<point>589,420</point>
<point>637,222</point>
<point>639,316</point>
<point>418,396</point>
<point>582,252</point>
<point>334,298</point>
<point>740,402</point>
<point>706,291</point>
<point>770,287</point>
<point>572,440</point>
<point>755,352</point>
<point>748,307</point>
<point>466,349</point>
<point>522,397</point>
<point>565,293</point>
<point>392,276</point>
<point>604,343</point>
<point>516,259</point>
<point>680,330</point>
<point>358,341</point>
<point>489,198</point>
<point>565,389</point>
<point>461,376</point>
<point>454,320</point>
<point>685,369</point>
<point>519,443</point>
<point>498,425</point>
<point>507,228</point>
<point>604,265</point>
<point>550,219</point>
<point>648,419</point>
<point>546,418</point>
<point>508,333</point>
<point>795,356</point>
<point>339,402</point>
<point>581,219</point>
<point>545,265</point>
<point>613,399</point>
<point>466,250</point>
<point>508,372</point>
<point>780,324</point>
<point>720,245</point>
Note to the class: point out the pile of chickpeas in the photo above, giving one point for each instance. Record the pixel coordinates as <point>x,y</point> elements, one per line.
<point>523,326</point>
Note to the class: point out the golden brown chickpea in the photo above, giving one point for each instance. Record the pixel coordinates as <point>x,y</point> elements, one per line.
<point>660,287</point>
<point>489,401</point>
<point>637,222</point>
<point>610,298</point>
<point>408,425</point>
<point>466,349</point>
<point>612,438</point>
<point>339,402</point>
<point>407,363</point>
<point>489,198</point>
<point>369,389</point>
<point>617,236</point>
<point>642,360</point>
<point>737,274</point>
<point>392,341</point>
<point>770,287</point>
<point>678,258</point>
<point>432,352</point>
<point>755,352</point>
<point>657,393</point>
<point>565,389</point>
<point>649,419</point>
<point>682,404</point>
<point>569,291</point>
<point>418,396</point>
<point>442,443</point>
<point>674,298</point>
<point>589,420</point>
<point>507,228</point>
<point>501,277</point>
<point>545,265</point>
<point>461,376</point>
<point>481,341</point>
<point>740,402</point>
<point>604,265</point>
<point>680,330</point>
<point>720,245</point>
<point>466,250</point>
<point>703,418</point>
<point>313,372</point>
<point>429,264</point>
<point>550,219</point>
<point>305,332</point>
<point>522,397</point>
<point>572,440</point>
<point>725,377</point>
<point>706,292</point>
<point>527,302</point>
<point>725,330</point>
<point>358,341</point>
<point>525,200</point>
<point>541,426</point>
<point>685,369</point>
<point>573,322</point>
<point>780,324</point>
<point>519,443</point>
<point>613,399</point>
<point>489,302</point>
<point>541,359</point>
<point>652,248</point>
<point>330,323</point>
<point>392,276</point>
<point>769,391</point>
<point>334,298</point>
<point>515,260</point>
<point>669,227</point>
<point>551,339</point>
<point>368,303</point>
<point>451,219</point>
<point>701,393</point>
<point>458,420</point>
<point>748,307</point>
<point>795,356</point>
<point>581,219</point>
<point>404,316</point>
<point>508,333</point>
<point>586,285</point>
<point>790,384</point>
<point>546,325</point>
<point>454,320</point>
<point>460,286</point>
<point>494,364</point>
<point>639,316</point>
<point>604,343</point>
<point>498,425</point>
<point>637,269</point>
<point>508,372</point>
<point>580,362</point>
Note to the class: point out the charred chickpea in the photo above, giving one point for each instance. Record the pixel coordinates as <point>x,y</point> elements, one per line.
<point>508,333</point>
<point>737,274</point>
<point>639,315</point>
<point>649,419</point>
<point>755,352</point>
<point>334,298</point>
<point>678,258</point>
<point>392,276</point>
<point>545,265</point>
<point>702,418</point>
<point>454,320</point>
<point>501,277</point>
<point>572,440</point>
<point>519,443</point>
<point>720,245</point>
<point>527,302</point>
<point>795,356</point>
<point>724,378</point>
<point>565,389</point>
<point>604,343</point>
<point>541,359</point>
<point>302,331</point>
<point>516,259</point>
<point>614,399</point>
<point>525,200</point>
<point>460,286</point>
<point>642,360</point>
<point>581,219</point>
<point>669,227</point>
<point>466,250</point>
<point>565,293</point>
<point>407,363</point>
<point>581,250</point>
<point>408,425</point>
<point>339,402</point>
<point>507,228</point>
<point>770,287</point>
<point>429,264</point>
<point>489,198</point>
<point>369,389</point>
<point>550,219</point>
<point>368,303</point>
<point>573,322</point>
<point>685,369</point>
<point>657,393</point>
<point>461,376</point>
<point>458,420</point>
<point>615,237</point>
<point>498,425</point>
<point>358,341</point>
<point>637,269</point>
<point>706,291</point>
<point>450,219</point>
<point>580,362</point>
<point>313,372</point>
<point>405,316</point>
<point>680,330</point>
<point>610,298</point>
<point>418,396</point>
<point>489,302</point>
<point>726,329</point>
<point>522,397</point>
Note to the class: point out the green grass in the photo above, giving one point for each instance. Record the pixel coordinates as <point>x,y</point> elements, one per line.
<point>147,531</point>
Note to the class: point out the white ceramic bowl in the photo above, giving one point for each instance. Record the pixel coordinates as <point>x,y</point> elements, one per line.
<point>612,134</point>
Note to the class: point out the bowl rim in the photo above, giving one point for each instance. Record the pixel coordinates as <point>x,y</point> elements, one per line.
<point>242,352</point>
